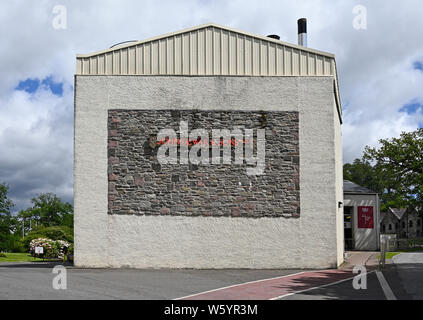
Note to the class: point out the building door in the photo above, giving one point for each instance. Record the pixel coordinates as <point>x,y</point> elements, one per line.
<point>348,232</point>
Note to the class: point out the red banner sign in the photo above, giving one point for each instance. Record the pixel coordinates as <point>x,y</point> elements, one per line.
<point>365,217</point>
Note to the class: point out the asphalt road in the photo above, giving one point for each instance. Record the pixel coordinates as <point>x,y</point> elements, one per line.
<point>404,278</point>
<point>407,258</point>
<point>35,281</point>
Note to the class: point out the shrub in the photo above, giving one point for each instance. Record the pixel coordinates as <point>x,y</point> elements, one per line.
<point>51,248</point>
<point>18,246</point>
<point>12,243</point>
<point>63,247</point>
<point>53,233</point>
<point>48,245</point>
<point>2,255</point>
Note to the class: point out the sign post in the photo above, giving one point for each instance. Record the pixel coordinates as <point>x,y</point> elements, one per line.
<point>39,250</point>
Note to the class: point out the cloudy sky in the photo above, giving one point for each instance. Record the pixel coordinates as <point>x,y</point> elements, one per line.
<point>380,68</point>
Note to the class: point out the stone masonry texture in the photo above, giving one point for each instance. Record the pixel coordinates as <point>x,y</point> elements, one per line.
<point>140,185</point>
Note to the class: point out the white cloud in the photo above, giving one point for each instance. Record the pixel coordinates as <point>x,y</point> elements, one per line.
<point>36,131</point>
<point>37,144</point>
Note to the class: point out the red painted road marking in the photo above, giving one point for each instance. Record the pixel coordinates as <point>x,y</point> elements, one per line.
<point>275,287</point>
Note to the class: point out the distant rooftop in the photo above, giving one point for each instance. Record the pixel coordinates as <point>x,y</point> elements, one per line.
<point>351,187</point>
<point>398,212</point>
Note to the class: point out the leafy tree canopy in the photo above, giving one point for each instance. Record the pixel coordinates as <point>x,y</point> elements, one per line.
<point>5,203</point>
<point>49,210</point>
<point>394,170</point>
<point>7,222</point>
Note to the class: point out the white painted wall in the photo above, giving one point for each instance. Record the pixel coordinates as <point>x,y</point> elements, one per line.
<point>312,241</point>
<point>339,187</point>
<point>364,239</point>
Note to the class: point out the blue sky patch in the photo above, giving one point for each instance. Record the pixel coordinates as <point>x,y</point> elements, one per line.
<point>55,87</point>
<point>345,105</point>
<point>32,85</point>
<point>411,108</point>
<point>29,85</point>
<point>418,65</point>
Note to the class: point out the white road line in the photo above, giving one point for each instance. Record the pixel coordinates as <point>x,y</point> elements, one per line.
<point>314,288</point>
<point>239,284</point>
<point>385,286</point>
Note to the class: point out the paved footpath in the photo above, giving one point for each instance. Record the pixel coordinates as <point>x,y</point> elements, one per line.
<point>276,288</point>
<point>284,286</point>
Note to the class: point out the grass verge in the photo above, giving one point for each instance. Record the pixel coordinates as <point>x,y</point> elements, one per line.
<point>18,257</point>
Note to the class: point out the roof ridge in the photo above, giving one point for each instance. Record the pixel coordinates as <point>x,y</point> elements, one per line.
<point>203,26</point>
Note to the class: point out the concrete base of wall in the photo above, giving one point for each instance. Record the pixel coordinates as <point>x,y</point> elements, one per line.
<point>178,242</point>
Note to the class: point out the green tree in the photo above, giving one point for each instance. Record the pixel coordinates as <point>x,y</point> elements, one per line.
<point>5,203</point>
<point>364,174</point>
<point>48,210</point>
<point>25,220</point>
<point>376,178</point>
<point>401,159</point>
<point>6,220</point>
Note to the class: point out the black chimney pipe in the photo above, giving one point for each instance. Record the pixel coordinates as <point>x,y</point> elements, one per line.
<point>302,32</point>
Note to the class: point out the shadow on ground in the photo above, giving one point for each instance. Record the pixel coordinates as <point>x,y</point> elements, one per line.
<point>35,264</point>
<point>343,290</point>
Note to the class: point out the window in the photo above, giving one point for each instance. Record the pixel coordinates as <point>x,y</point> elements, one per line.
<point>390,227</point>
<point>418,222</point>
<point>410,223</point>
<point>403,225</point>
<point>383,228</point>
<point>396,226</point>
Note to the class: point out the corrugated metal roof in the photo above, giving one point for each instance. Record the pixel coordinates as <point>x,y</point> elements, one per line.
<point>210,49</point>
<point>351,187</point>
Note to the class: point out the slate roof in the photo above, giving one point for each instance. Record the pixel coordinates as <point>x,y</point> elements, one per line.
<point>399,213</point>
<point>351,187</point>
<point>383,215</point>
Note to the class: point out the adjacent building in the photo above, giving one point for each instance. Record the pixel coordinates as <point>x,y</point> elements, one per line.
<point>404,223</point>
<point>361,218</point>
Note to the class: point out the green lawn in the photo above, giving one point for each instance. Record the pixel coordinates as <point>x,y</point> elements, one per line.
<point>18,257</point>
<point>390,255</point>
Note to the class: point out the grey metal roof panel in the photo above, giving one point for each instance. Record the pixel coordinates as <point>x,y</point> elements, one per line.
<point>351,187</point>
